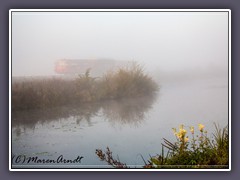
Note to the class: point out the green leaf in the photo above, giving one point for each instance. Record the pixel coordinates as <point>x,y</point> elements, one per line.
<point>155,161</point>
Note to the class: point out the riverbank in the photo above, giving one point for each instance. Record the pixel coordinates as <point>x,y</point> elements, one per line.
<point>128,82</point>
<point>192,149</point>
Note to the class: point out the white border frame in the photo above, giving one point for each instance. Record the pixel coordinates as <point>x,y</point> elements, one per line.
<point>123,10</point>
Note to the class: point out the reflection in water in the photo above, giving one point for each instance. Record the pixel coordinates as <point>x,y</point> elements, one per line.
<point>79,130</point>
<point>30,118</point>
<point>124,111</point>
<point>128,111</point>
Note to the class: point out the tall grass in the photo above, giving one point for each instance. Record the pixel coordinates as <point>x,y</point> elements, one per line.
<point>42,93</point>
<point>199,151</point>
<point>126,82</point>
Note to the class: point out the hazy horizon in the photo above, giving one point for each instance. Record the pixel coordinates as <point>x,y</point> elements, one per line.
<point>164,41</point>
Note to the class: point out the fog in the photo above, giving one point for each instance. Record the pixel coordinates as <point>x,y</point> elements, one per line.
<point>161,41</point>
<point>186,53</point>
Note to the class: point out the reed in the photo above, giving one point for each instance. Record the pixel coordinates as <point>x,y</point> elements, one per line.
<point>126,82</point>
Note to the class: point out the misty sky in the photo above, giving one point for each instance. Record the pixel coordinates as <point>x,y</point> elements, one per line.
<point>167,41</point>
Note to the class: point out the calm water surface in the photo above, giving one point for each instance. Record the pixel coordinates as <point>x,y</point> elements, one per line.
<point>130,127</point>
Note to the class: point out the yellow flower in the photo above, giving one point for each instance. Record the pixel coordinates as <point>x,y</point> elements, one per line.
<point>179,136</point>
<point>186,139</point>
<point>181,126</point>
<point>192,129</point>
<point>183,132</point>
<point>200,127</point>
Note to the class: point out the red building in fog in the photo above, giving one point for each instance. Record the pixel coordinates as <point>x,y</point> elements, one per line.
<point>79,66</point>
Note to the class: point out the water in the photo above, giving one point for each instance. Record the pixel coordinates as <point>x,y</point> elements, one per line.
<point>131,128</point>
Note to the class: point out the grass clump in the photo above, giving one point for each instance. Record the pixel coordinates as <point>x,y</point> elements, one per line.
<point>199,151</point>
<point>86,88</point>
<point>40,93</point>
<point>128,82</point>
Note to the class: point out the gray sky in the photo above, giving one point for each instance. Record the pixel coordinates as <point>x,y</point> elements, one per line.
<point>168,41</point>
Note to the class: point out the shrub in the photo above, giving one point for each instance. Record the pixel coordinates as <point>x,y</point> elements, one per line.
<point>128,82</point>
